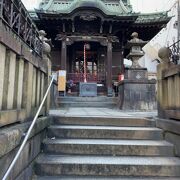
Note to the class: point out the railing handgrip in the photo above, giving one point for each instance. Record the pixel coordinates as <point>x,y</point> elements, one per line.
<point>28,134</point>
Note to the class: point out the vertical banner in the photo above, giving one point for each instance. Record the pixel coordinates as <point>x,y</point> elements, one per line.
<point>62,80</point>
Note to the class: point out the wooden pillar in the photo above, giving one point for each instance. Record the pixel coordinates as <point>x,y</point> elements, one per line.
<point>109,69</point>
<point>63,55</point>
<point>2,71</point>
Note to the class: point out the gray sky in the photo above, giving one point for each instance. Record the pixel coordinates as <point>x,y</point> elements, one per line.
<point>138,5</point>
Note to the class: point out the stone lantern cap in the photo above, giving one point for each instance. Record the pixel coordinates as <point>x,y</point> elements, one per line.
<point>135,41</point>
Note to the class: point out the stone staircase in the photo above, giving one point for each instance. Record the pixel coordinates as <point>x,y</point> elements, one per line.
<point>83,148</point>
<point>99,101</point>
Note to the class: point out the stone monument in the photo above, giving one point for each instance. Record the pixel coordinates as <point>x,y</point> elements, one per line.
<point>136,92</point>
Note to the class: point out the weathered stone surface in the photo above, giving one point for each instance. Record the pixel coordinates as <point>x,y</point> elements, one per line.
<point>14,43</point>
<point>104,121</point>
<point>100,178</point>
<point>134,95</point>
<point>107,166</point>
<point>11,137</point>
<point>103,147</point>
<point>104,132</point>
<point>20,83</point>
<point>100,101</point>
<point>8,117</point>
<point>27,174</point>
<point>108,147</point>
<point>11,80</point>
<point>174,139</point>
<point>2,71</point>
<point>88,89</point>
<point>29,153</point>
<point>168,125</point>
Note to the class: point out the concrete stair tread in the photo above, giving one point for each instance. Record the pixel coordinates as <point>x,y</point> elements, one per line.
<point>83,99</point>
<point>104,132</point>
<point>108,142</point>
<point>105,128</point>
<point>101,178</point>
<point>104,121</point>
<point>108,160</point>
<point>108,147</point>
<point>78,102</point>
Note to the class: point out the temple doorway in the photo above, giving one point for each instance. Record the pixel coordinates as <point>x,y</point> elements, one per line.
<point>94,55</point>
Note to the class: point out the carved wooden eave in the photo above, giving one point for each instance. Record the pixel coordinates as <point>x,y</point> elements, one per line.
<point>102,40</point>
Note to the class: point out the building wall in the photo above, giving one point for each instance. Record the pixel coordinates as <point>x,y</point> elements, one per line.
<point>165,37</point>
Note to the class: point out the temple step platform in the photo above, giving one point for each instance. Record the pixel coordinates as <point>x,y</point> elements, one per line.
<point>99,101</point>
<point>105,147</point>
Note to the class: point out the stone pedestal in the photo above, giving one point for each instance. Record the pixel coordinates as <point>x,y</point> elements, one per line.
<point>136,92</point>
<point>88,89</point>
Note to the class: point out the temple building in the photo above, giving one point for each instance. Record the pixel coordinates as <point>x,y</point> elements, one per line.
<point>95,30</point>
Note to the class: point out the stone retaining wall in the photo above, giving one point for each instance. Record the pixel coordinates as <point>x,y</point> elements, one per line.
<point>171,130</point>
<point>11,138</point>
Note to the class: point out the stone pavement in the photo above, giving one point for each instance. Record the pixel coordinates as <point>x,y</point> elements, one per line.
<point>103,112</point>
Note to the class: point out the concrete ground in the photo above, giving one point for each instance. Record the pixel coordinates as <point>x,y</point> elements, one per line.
<point>103,112</point>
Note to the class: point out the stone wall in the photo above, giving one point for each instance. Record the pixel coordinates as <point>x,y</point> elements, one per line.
<point>24,78</point>
<point>168,97</point>
<point>136,92</point>
<point>11,138</point>
<point>171,130</point>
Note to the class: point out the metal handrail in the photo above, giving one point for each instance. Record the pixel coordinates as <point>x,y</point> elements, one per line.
<point>28,134</point>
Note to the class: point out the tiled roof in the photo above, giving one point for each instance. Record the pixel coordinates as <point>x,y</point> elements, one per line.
<point>65,7</point>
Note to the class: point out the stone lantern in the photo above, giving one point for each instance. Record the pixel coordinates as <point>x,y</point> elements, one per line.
<point>135,45</point>
<point>136,92</point>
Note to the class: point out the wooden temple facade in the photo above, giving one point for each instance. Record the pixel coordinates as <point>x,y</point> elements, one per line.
<point>103,26</point>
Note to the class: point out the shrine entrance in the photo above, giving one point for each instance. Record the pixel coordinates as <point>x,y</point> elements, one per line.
<point>94,58</point>
<point>87,60</point>
<point>101,56</point>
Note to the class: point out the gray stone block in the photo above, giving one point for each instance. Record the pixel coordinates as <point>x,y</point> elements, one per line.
<point>88,89</point>
<point>105,121</point>
<point>104,132</point>
<point>54,165</point>
<point>134,95</point>
<point>174,139</point>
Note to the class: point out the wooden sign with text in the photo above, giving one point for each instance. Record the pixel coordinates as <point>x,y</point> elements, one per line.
<point>62,80</point>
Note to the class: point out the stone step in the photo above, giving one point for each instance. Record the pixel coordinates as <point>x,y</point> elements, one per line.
<point>104,121</point>
<point>87,104</point>
<point>55,165</point>
<point>87,99</point>
<point>104,132</point>
<point>108,147</point>
<point>102,178</point>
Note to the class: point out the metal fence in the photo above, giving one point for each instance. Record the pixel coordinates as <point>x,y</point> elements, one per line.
<point>79,77</point>
<point>175,52</point>
<point>16,17</point>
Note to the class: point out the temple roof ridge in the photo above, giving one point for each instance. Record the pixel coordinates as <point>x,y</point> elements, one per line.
<point>107,7</point>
